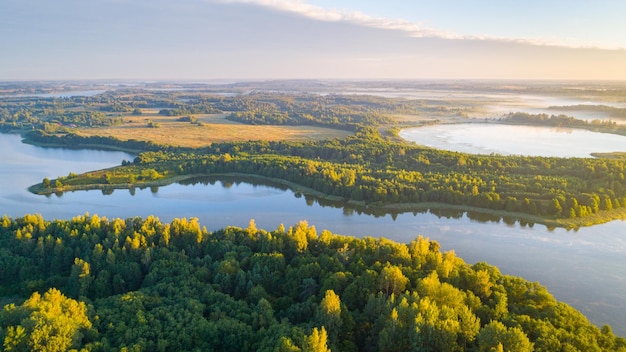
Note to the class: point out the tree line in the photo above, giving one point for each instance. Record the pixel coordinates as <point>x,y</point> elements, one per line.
<point>563,121</point>
<point>610,110</point>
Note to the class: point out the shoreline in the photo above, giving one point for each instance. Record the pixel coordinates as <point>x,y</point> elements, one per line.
<point>389,208</point>
<point>106,147</point>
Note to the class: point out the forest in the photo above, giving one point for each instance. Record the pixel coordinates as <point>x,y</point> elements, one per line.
<point>94,284</point>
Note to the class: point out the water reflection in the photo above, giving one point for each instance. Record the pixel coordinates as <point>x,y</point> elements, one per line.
<point>350,209</point>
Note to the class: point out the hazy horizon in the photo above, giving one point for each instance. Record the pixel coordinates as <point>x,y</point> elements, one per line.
<point>238,40</point>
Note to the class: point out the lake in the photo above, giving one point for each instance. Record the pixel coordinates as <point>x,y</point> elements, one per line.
<point>585,268</point>
<point>483,138</point>
<point>66,94</point>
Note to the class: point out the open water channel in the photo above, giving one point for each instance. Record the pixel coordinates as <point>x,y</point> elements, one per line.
<point>585,268</point>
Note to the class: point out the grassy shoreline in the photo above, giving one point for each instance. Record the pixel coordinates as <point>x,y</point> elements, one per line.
<point>496,215</point>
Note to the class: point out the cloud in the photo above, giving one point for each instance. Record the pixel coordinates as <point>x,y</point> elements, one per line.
<point>353,17</point>
<point>412,29</point>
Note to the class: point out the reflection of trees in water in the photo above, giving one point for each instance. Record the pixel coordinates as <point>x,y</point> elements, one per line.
<point>107,191</point>
<point>524,223</point>
<point>351,209</point>
<point>447,213</point>
<point>483,217</point>
<point>228,181</point>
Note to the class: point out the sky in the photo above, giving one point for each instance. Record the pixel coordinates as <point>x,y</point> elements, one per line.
<point>312,39</point>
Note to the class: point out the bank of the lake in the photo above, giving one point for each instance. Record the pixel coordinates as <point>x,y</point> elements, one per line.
<point>584,268</point>
<point>601,217</point>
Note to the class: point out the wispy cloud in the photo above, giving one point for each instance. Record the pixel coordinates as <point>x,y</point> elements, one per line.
<point>354,17</point>
<point>413,29</point>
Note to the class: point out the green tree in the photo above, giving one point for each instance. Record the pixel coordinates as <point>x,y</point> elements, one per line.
<point>80,278</point>
<point>495,335</point>
<point>469,325</point>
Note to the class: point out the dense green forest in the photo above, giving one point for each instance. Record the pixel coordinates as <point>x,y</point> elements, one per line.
<point>368,169</point>
<point>95,284</point>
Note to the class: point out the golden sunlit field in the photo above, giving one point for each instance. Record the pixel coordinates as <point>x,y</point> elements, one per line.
<point>210,129</point>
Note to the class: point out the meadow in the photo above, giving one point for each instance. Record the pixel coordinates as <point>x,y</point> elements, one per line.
<point>209,128</point>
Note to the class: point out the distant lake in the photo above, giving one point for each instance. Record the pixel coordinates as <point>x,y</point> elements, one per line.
<point>585,268</point>
<point>68,94</point>
<point>481,138</point>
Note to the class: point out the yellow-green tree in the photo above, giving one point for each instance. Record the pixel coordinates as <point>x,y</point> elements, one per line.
<point>391,280</point>
<point>495,336</point>
<point>49,323</point>
<point>329,315</point>
<point>316,342</point>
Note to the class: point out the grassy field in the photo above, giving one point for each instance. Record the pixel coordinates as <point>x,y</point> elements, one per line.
<point>211,129</point>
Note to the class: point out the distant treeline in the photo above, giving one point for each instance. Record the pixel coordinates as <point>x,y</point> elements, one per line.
<point>598,125</point>
<point>95,284</point>
<point>559,121</point>
<point>611,110</point>
<point>53,120</point>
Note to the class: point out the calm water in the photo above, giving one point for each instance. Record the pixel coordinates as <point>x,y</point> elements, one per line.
<point>479,138</point>
<point>68,94</point>
<point>586,268</point>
